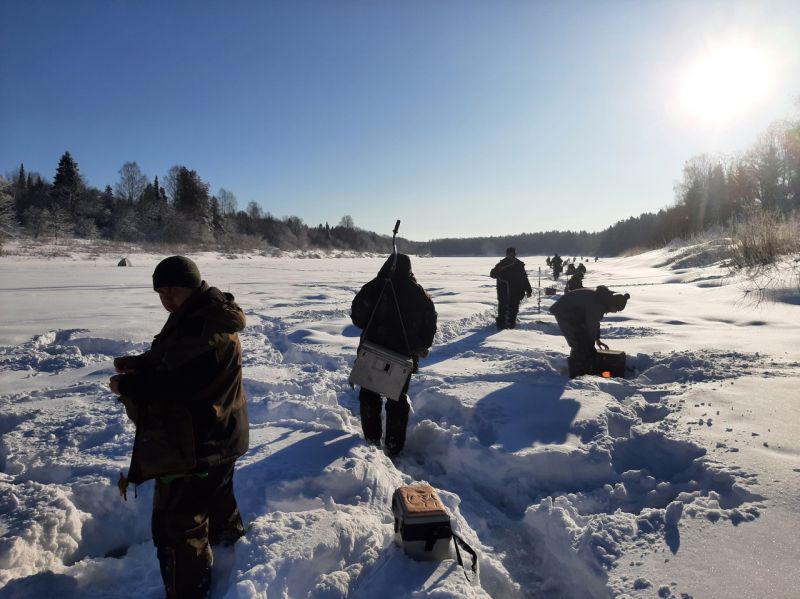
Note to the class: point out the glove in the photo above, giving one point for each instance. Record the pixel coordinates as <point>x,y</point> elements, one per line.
<point>125,364</point>
<point>113,383</point>
<point>528,293</point>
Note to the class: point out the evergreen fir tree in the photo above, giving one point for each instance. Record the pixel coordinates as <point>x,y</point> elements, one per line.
<point>20,192</point>
<point>67,185</point>
<point>191,195</point>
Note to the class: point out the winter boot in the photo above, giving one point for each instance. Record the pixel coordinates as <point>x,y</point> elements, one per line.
<point>370,410</point>
<point>396,424</point>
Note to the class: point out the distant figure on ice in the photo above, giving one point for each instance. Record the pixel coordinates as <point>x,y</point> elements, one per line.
<point>394,312</point>
<point>556,263</point>
<point>578,314</point>
<point>512,286</point>
<point>575,282</point>
<point>185,396</point>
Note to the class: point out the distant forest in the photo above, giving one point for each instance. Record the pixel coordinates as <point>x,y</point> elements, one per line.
<point>180,209</point>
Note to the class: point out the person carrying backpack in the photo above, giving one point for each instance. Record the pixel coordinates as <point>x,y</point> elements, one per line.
<point>396,313</point>
<point>512,286</point>
<point>556,263</point>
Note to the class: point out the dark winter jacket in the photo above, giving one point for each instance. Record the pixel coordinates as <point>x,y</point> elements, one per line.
<point>415,306</point>
<point>511,276</point>
<point>575,282</point>
<point>185,394</point>
<point>584,309</point>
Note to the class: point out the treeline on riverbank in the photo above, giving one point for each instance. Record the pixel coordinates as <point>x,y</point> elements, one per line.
<point>761,184</point>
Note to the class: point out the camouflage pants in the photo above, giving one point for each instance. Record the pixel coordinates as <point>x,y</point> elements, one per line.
<point>191,513</point>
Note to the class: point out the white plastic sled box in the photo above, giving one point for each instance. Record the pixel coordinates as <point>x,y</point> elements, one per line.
<point>381,370</point>
<point>421,524</point>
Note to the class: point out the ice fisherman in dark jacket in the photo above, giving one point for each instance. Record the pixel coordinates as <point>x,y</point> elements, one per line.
<point>408,331</point>
<point>556,263</point>
<point>575,282</point>
<point>186,397</point>
<point>512,286</point>
<point>578,314</point>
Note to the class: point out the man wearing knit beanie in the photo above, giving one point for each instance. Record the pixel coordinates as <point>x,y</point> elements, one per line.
<point>186,397</point>
<point>176,279</point>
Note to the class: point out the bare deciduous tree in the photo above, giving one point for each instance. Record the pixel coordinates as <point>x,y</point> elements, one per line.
<point>227,202</point>
<point>131,182</point>
<point>254,211</point>
<point>171,182</point>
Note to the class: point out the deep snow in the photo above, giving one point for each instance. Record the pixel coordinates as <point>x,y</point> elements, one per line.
<point>681,480</point>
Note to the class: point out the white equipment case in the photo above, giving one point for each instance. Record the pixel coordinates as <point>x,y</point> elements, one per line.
<point>381,370</point>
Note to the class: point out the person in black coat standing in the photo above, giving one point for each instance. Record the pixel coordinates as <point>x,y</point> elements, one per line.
<point>556,263</point>
<point>394,312</point>
<point>512,286</point>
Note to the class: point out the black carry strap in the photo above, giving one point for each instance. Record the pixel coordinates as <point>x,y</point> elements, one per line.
<point>387,281</point>
<point>444,531</point>
<point>459,541</point>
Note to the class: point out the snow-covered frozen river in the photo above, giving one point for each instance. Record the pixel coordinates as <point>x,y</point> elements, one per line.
<point>682,480</point>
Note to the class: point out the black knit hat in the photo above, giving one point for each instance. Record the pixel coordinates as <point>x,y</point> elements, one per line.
<point>176,271</point>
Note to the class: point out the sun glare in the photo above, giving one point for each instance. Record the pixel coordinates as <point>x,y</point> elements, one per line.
<point>725,82</point>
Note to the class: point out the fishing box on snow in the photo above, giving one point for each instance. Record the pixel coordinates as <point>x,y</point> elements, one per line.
<point>421,524</point>
<point>380,370</point>
<point>611,361</point>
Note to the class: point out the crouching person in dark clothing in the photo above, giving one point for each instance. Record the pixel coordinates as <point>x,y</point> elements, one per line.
<point>578,314</point>
<point>185,396</point>
<point>395,313</point>
<point>512,286</point>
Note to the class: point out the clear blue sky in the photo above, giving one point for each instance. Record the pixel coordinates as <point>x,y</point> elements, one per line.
<point>460,118</point>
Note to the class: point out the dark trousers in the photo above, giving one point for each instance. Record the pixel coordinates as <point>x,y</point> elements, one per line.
<point>581,346</point>
<point>396,418</point>
<point>191,513</point>
<point>507,307</point>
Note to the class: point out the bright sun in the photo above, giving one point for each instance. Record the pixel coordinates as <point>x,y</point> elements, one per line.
<point>725,82</point>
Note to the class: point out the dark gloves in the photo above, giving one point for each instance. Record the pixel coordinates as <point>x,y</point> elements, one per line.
<point>125,364</point>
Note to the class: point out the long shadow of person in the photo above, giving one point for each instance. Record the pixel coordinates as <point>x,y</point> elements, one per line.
<point>305,458</point>
<point>523,414</point>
